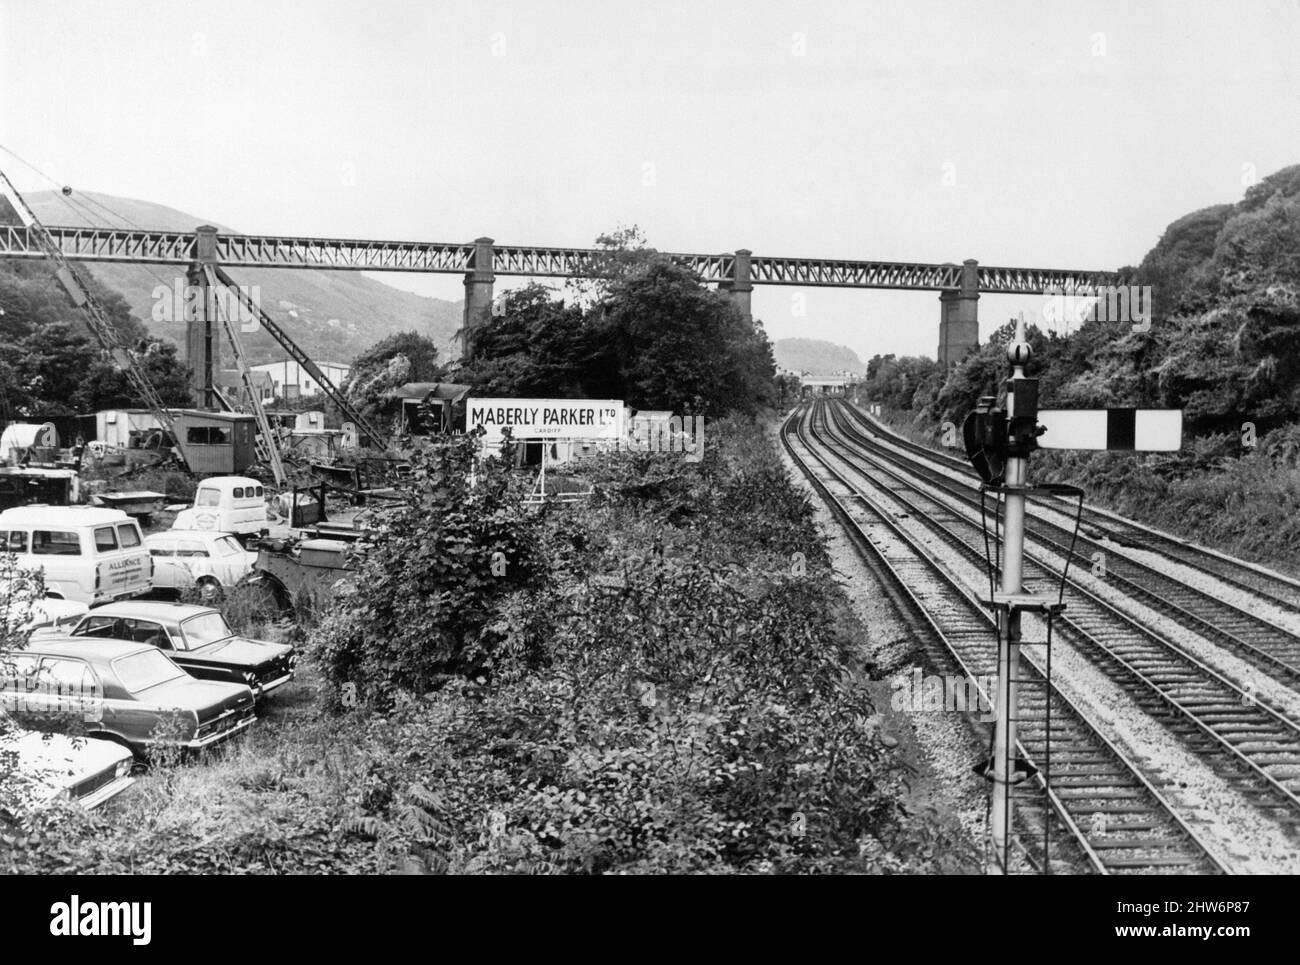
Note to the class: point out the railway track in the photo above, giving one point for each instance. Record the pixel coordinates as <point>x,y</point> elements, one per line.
<point>1249,744</point>
<point>1271,648</point>
<point>1116,819</point>
<point>1274,588</point>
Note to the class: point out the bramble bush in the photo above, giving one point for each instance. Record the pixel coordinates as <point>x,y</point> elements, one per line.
<point>686,703</point>
<point>433,575</point>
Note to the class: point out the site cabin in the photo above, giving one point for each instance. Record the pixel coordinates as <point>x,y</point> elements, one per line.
<point>227,504</point>
<point>216,443</point>
<point>88,555</point>
<point>124,428</point>
<point>310,421</point>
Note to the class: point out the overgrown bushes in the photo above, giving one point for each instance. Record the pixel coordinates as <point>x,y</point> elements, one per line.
<point>433,580</point>
<point>685,701</point>
<point>663,679</point>
<point>1244,502</point>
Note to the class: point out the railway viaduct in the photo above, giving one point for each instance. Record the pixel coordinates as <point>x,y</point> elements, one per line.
<point>483,260</point>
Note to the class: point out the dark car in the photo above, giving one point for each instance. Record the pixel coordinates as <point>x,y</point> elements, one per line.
<point>197,638</point>
<point>128,692</point>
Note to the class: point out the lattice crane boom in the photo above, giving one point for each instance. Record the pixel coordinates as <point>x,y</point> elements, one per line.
<point>364,429</point>
<point>96,318</point>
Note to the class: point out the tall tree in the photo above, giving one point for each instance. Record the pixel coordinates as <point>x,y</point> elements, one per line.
<point>404,357</point>
<point>619,255</point>
<point>685,348</point>
<point>538,345</point>
<point>158,360</point>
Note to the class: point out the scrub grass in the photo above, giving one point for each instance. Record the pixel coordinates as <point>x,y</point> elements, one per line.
<point>678,687</point>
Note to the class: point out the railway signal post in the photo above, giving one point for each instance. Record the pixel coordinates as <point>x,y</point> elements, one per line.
<point>998,442</point>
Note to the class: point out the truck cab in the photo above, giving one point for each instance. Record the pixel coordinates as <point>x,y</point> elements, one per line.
<point>227,504</point>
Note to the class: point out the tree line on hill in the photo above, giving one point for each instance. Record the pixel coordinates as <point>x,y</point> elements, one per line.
<point>51,364</point>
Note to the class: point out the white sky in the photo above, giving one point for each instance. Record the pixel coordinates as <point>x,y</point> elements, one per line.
<point>1075,134</point>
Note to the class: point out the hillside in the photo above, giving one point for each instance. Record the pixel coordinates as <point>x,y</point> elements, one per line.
<point>332,315</point>
<point>1223,346</point>
<point>815,356</point>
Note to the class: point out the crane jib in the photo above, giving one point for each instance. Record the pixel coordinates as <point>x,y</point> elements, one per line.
<point>299,356</point>
<point>97,319</point>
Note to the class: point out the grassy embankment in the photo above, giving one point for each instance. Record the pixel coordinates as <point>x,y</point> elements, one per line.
<point>1242,501</point>
<point>674,691</point>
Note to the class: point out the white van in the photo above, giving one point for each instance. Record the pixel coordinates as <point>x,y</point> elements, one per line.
<point>227,504</point>
<point>89,555</point>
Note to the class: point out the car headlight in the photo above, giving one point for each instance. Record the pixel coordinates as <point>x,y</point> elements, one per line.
<point>250,678</point>
<point>123,768</point>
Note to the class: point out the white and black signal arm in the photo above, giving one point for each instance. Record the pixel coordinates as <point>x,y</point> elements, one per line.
<point>992,433</point>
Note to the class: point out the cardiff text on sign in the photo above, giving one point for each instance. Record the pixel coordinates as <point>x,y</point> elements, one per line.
<point>546,418</point>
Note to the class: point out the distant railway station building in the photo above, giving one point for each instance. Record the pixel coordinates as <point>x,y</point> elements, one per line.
<point>816,385</point>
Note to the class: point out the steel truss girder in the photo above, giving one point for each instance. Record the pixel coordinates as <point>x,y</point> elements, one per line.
<point>270,251</point>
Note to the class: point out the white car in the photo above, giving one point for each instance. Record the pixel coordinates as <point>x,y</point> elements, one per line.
<point>48,614</point>
<point>212,561</point>
<point>54,614</point>
<point>52,767</point>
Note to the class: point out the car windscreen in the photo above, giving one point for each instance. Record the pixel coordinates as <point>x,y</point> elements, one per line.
<point>226,546</point>
<point>145,669</point>
<point>205,628</point>
<point>208,497</point>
